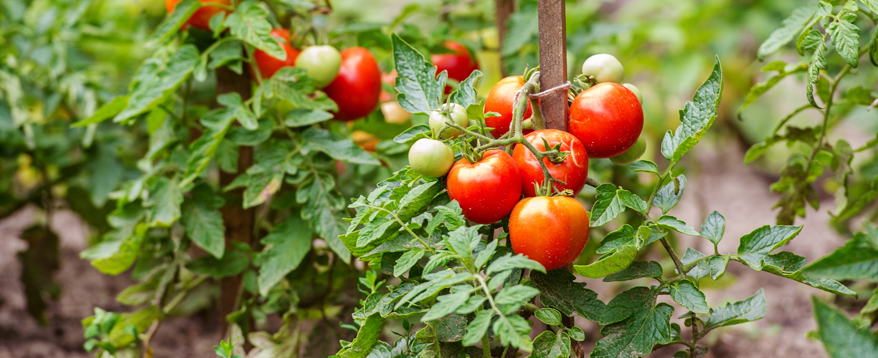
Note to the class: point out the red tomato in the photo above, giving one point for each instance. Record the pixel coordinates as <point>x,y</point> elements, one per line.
<point>607,118</point>
<point>549,230</point>
<point>573,170</point>
<point>459,63</point>
<point>357,86</point>
<point>486,190</point>
<point>201,17</point>
<point>268,64</point>
<point>501,99</point>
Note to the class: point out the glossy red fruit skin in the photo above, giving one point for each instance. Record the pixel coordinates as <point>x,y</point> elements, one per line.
<point>459,63</point>
<point>573,170</point>
<point>269,65</point>
<point>549,230</point>
<point>607,119</point>
<point>486,190</point>
<point>501,99</point>
<point>358,85</point>
<point>201,17</point>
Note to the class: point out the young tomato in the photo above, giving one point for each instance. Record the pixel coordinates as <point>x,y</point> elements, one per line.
<point>430,157</point>
<point>549,230</point>
<point>459,63</point>
<point>486,190</point>
<point>268,64</point>
<point>607,119</point>
<point>603,68</point>
<point>321,62</point>
<point>573,170</point>
<point>356,88</point>
<point>632,154</point>
<point>501,100</point>
<point>452,111</point>
<point>201,17</point>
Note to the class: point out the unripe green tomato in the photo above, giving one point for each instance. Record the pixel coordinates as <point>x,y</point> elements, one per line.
<point>632,154</point>
<point>321,62</point>
<point>431,158</point>
<point>604,68</point>
<point>635,90</point>
<point>457,114</point>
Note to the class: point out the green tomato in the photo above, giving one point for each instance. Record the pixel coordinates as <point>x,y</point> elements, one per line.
<point>321,62</point>
<point>431,158</point>
<point>453,111</point>
<point>603,68</point>
<point>636,91</point>
<point>632,154</point>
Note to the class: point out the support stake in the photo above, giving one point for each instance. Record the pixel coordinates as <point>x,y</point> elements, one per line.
<point>553,61</point>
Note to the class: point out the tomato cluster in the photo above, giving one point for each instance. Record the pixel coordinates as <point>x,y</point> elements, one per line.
<point>351,78</point>
<point>606,120</point>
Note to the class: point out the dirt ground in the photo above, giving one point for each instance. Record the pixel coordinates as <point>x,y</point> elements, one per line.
<point>738,192</point>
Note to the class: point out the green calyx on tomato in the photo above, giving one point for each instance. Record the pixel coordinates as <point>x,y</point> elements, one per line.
<point>431,158</point>
<point>603,68</point>
<point>570,168</point>
<point>549,230</point>
<point>632,154</point>
<point>486,190</point>
<point>439,118</point>
<point>321,63</point>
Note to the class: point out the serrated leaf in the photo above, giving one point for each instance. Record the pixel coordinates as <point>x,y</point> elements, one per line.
<point>406,261</point>
<point>510,262</point>
<point>466,92</point>
<point>631,201</point>
<point>551,345</point>
<point>412,134</point>
<point>846,39</point>
<point>203,222</point>
<point>306,117</point>
<point>840,336</point>
<point>714,227</point>
<point>107,111</point>
<point>748,310</point>
<point>513,331</point>
<point>164,201</point>
<point>669,195</point>
<point>420,90</point>
<point>417,200</point>
<point>477,328</point>
<point>549,316</point>
<point>367,337</point>
<point>696,117</point>
<point>783,71</point>
<point>336,146</point>
<point>644,166</point>
<point>485,255</point>
<point>515,295</point>
<point>687,295</point>
<point>183,10</point>
<point>149,92</point>
<point>856,260</point>
<point>446,305</point>
<point>612,263</point>
<point>626,304</point>
<point>637,269</point>
<point>672,223</point>
<point>559,290</point>
<point>815,64</point>
<point>790,28</point>
<point>767,238</point>
<point>250,23</point>
<point>607,205</point>
<point>637,335</point>
<point>288,243</point>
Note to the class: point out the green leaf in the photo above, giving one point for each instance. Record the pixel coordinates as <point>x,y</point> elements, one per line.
<point>748,310</point>
<point>696,117</point>
<point>856,260</point>
<point>367,337</point>
<point>287,244</point>
<point>714,227</point>
<point>241,111</point>
<point>549,316</point>
<point>217,123</point>
<point>324,207</point>
<point>306,117</point>
<point>669,195</point>
<point>108,110</point>
<point>486,254</point>
<point>148,93</point>
<point>846,39</point>
<point>644,166</point>
<point>203,222</point>
<point>171,24</point>
<point>515,295</point>
<point>225,53</point>
<point>420,89</point>
<point>164,201</point>
<point>142,319</point>
<point>607,205</point>
<point>672,223</point>
<point>477,328</point>
<point>250,23</point>
<point>790,28</point>
<point>551,345</point>
<point>815,64</point>
<point>783,70</point>
<point>687,295</point>
<point>446,305</point>
<point>631,201</point>
<point>336,146</point>
<point>767,238</point>
<point>626,304</point>
<point>618,239</point>
<point>510,262</point>
<point>714,266</point>
<point>637,269</point>
<point>636,335</point>
<point>839,335</point>
<point>609,264</point>
<point>466,92</point>
<point>559,290</point>
<point>406,261</point>
<point>513,331</point>
<point>412,134</point>
<point>417,200</point>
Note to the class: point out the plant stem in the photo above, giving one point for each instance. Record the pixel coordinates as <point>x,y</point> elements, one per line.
<point>592,183</point>
<point>673,255</point>
<point>486,347</point>
<point>404,226</point>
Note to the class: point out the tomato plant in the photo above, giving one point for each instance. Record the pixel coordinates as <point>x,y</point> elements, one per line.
<point>572,170</point>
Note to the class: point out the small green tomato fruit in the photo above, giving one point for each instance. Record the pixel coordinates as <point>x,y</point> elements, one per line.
<point>456,113</point>
<point>431,158</point>
<point>632,154</point>
<point>321,63</point>
<point>636,91</point>
<point>603,68</point>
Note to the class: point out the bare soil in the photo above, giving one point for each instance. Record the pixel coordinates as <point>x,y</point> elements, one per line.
<point>738,192</point>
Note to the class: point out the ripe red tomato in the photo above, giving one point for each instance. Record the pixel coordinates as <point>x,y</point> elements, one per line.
<point>549,230</point>
<point>459,63</point>
<point>357,86</point>
<point>607,118</point>
<point>501,99</point>
<point>268,64</point>
<point>201,17</point>
<point>573,170</point>
<point>486,190</point>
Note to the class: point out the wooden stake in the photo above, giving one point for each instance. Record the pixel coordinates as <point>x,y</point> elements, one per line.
<point>553,61</point>
<point>504,9</point>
